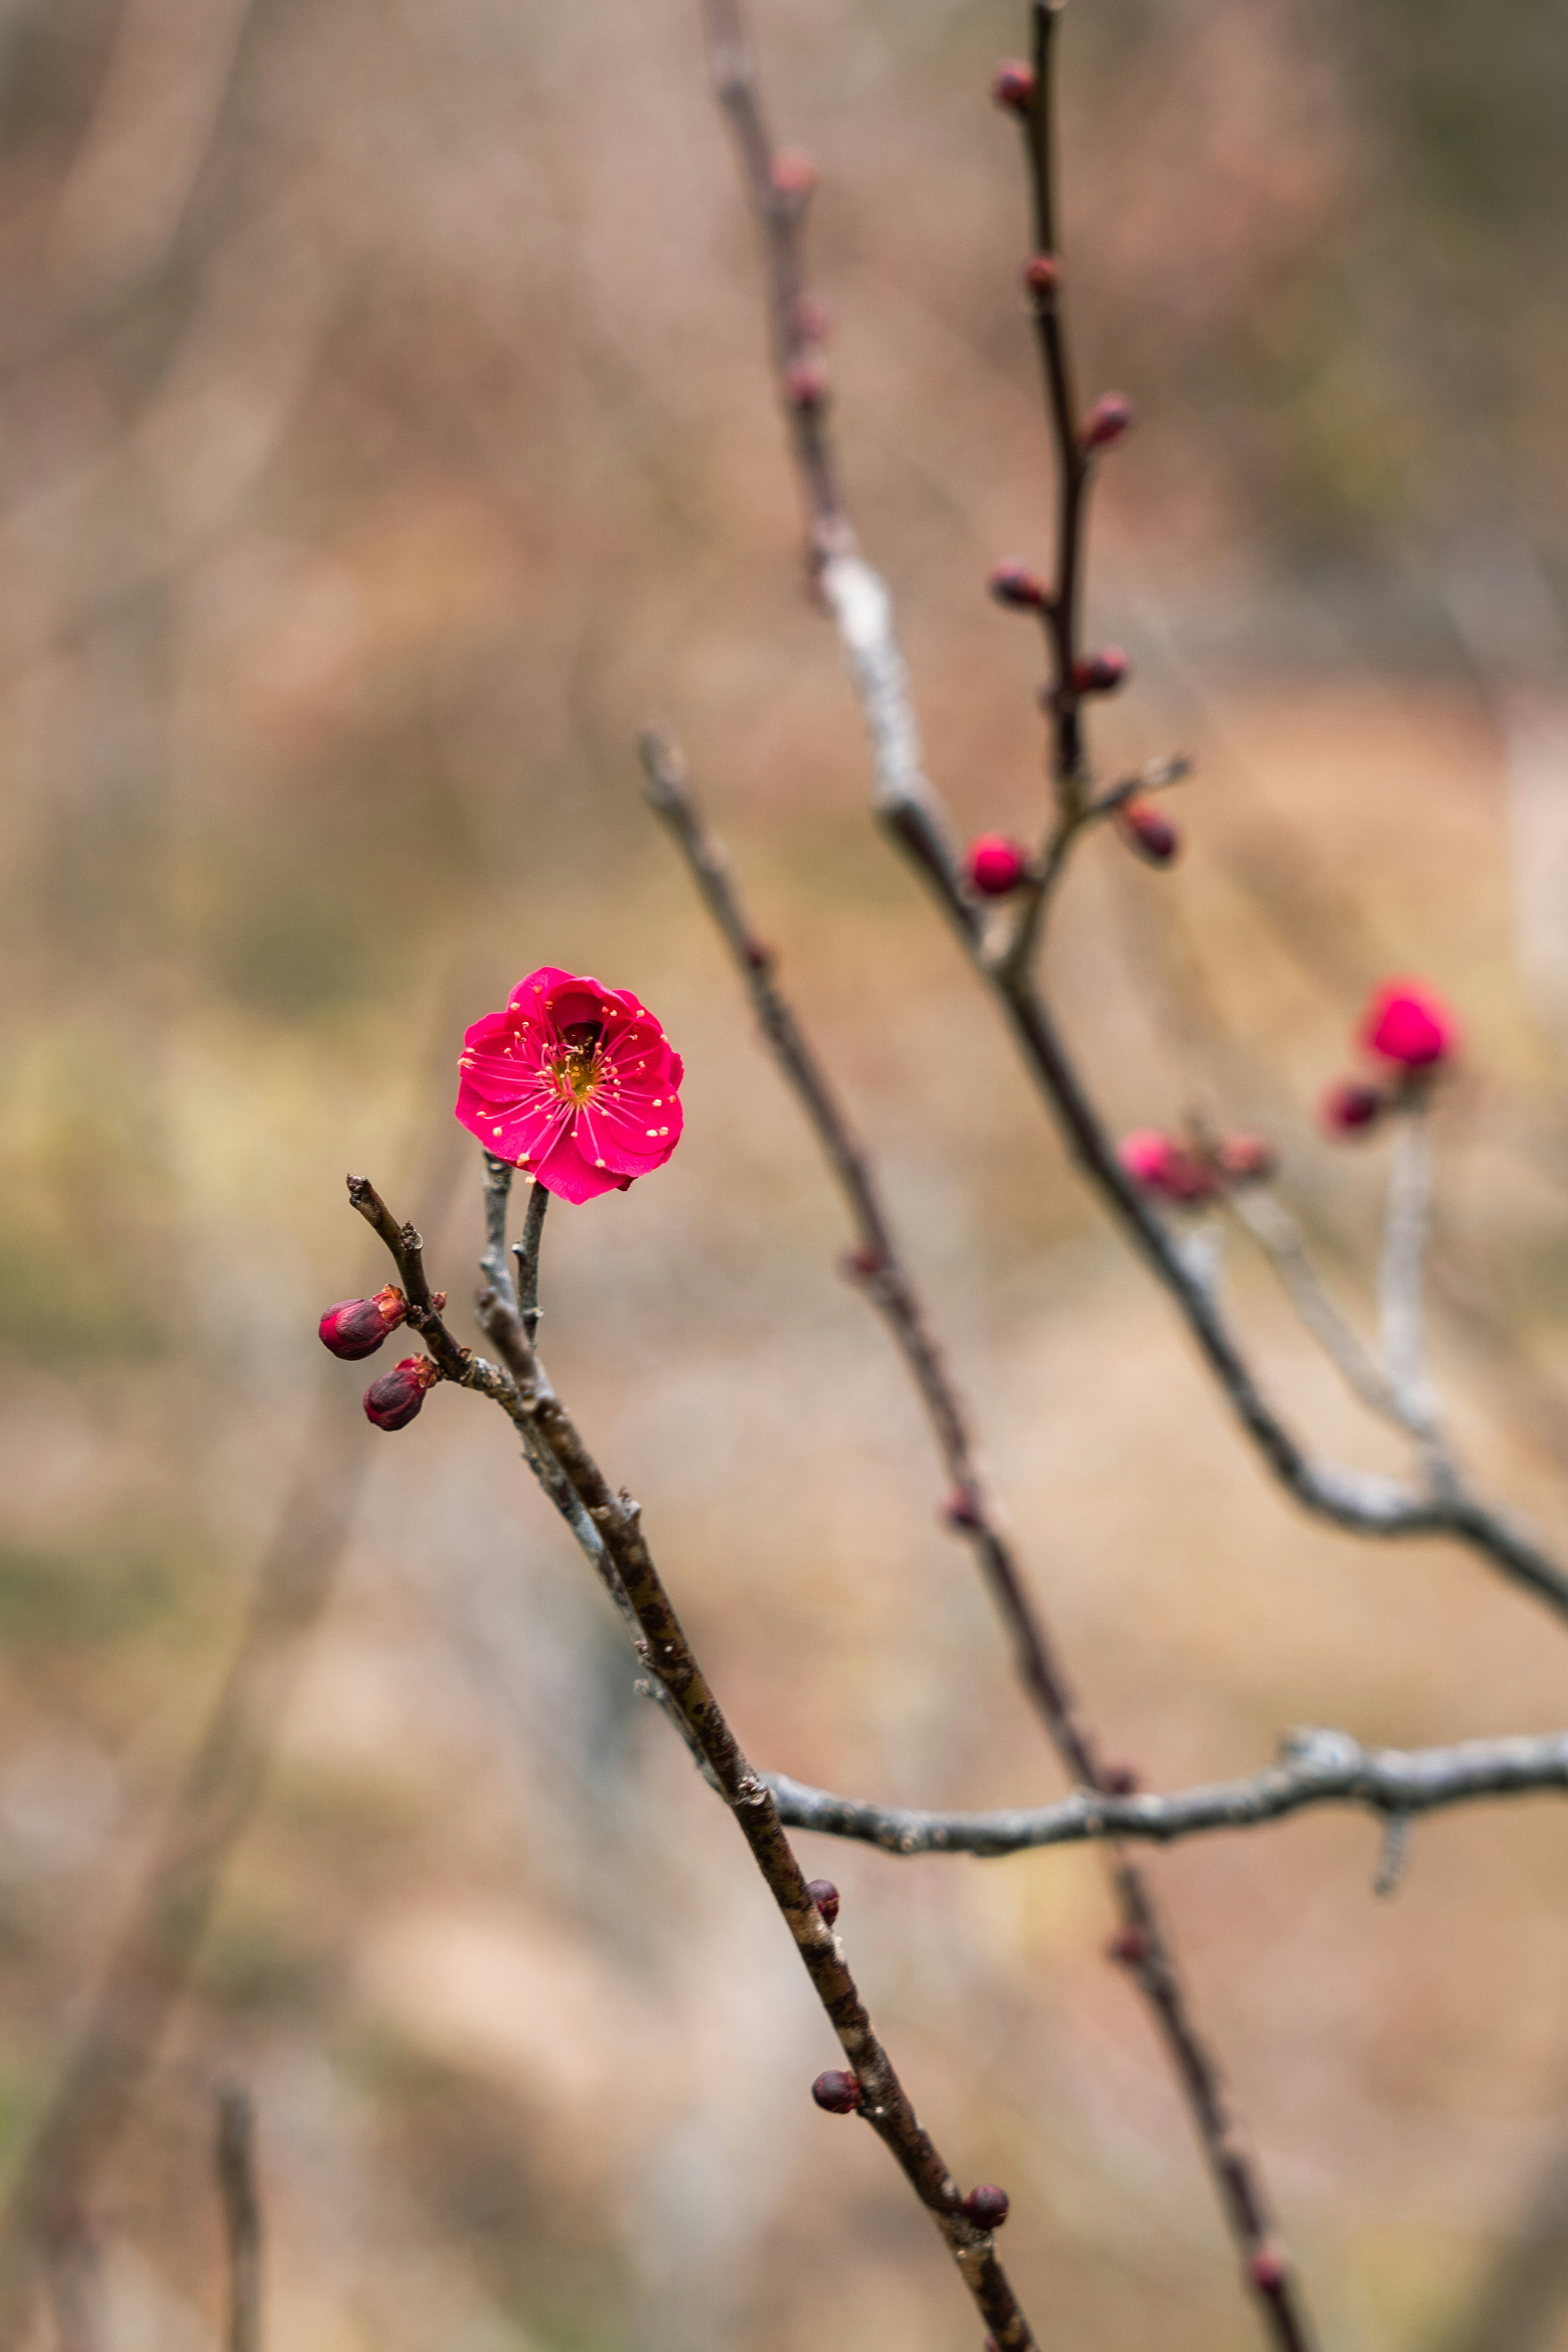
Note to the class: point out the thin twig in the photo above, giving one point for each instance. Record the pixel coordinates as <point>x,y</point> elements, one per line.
<point>664,1650</point>
<point>526,1253</point>
<point>1281,1239</point>
<point>1400,1275</point>
<point>879,1266</point>
<point>1316,1768</point>
<point>234,2157</point>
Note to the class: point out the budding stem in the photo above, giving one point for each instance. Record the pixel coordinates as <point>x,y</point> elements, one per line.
<point>526,1253</point>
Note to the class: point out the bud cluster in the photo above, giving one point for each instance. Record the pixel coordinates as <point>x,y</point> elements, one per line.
<point>1413,1033</point>
<point>1190,1174</point>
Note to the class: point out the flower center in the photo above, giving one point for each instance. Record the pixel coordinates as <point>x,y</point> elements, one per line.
<point>578,1071</point>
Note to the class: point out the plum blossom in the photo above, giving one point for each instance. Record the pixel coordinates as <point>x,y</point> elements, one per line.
<point>574,1082</point>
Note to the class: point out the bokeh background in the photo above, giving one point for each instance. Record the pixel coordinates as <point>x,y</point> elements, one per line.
<point>384,432</point>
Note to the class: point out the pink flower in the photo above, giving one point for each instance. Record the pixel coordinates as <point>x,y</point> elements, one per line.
<point>575,1082</point>
<point>1406,1023</point>
<point>996,865</point>
<point>1157,1163</point>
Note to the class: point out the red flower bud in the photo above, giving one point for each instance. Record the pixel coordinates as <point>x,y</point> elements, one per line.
<point>1111,416</point>
<point>825,1895</point>
<point>859,1265</point>
<point>393,1400</point>
<point>1119,1781</point>
<point>1043,273</point>
<point>988,2207</point>
<point>1268,2269</point>
<point>356,1326</point>
<point>962,1509</point>
<point>1017,586</point>
<point>1101,673</point>
<point>1406,1024</point>
<point>1012,87</point>
<point>1128,1948</point>
<point>995,865</point>
<point>1352,1106</point>
<point>839,2093</point>
<point>1245,1159</point>
<point>806,384</point>
<point>1147,832</point>
<point>1158,1164</point>
<point>759,957</point>
<point>793,174</point>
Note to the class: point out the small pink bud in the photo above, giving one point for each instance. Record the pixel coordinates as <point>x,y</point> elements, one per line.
<point>1012,87</point>
<point>1119,1781</point>
<point>1043,273</point>
<point>806,384</point>
<point>1148,831</point>
<point>1158,1164</point>
<point>825,1895</point>
<point>1101,673</point>
<point>962,1509</point>
<point>839,2093</point>
<point>1111,416</point>
<point>1128,1948</point>
<point>1016,586</point>
<point>392,1401</point>
<point>357,1327</point>
<point>859,1265</point>
<point>1268,2269</point>
<point>1408,1024</point>
<point>1245,1159</point>
<point>995,865</point>
<point>759,957</point>
<point>1352,1106</point>
<point>987,2205</point>
<point>793,174</point>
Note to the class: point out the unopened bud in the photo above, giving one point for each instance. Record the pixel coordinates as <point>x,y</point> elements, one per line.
<point>357,1327</point>
<point>1148,831</point>
<point>1352,1106</point>
<point>861,1264</point>
<point>1268,2269</point>
<point>759,957</point>
<point>392,1401</point>
<point>806,384</point>
<point>839,2093</point>
<point>1101,672</point>
<point>1128,1948</point>
<point>962,1509</point>
<point>995,865</point>
<point>1111,416</point>
<point>1016,586</point>
<point>793,174</point>
<point>988,2207</point>
<point>1246,1159</point>
<point>1406,1023</point>
<point>825,1895</point>
<point>1012,85</point>
<point>1157,1163</point>
<point>1119,1781</point>
<point>1043,273</point>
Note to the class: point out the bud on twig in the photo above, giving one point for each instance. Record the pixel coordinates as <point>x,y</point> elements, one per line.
<point>1158,1164</point>
<point>861,1265</point>
<point>1268,2269</point>
<point>792,174</point>
<point>1245,1159</point>
<point>1012,87</point>
<point>987,2205</point>
<point>1101,672</point>
<point>839,2093</point>
<point>1111,416</point>
<point>806,384</point>
<point>392,1401</point>
<point>1128,1948</point>
<point>1016,586</point>
<point>1119,1781</point>
<point>1406,1024</point>
<point>1148,831</point>
<point>962,1509</point>
<point>825,1895</point>
<point>995,865</point>
<point>1352,1106</point>
<point>356,1326</point>
<point>1043,273</point>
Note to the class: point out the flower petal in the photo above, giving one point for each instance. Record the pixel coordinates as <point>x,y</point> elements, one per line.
<point>564,1171</point>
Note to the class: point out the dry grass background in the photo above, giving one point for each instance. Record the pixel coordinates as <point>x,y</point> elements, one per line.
<point>385,432</point>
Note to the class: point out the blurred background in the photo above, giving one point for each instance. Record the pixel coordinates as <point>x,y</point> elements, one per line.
<point>384,433</point>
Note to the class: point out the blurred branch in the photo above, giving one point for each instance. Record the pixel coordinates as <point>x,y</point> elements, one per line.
<point>1399,1291</point>
<point>75,2285</point>
<point>878,1264</point>
<point>576,1485</point>
<point>1281,1239</point>
<point>235,2157</point>
<point>1316,1768</point>
<point>909,808</point>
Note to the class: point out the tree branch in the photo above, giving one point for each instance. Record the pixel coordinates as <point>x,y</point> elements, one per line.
<point>1316,1768</point>
<point>577,1485</point>
<point>880,1267</point>
<point>235,2157</point>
